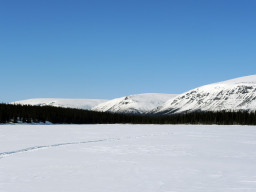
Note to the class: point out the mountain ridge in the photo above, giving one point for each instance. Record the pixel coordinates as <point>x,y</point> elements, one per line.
<point>237,94</point>
<point>61,102</point>
<point>231,95</point>
<point>139,103</point>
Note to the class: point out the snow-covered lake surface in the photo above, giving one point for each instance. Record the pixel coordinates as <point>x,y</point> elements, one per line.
<point>127,158</point>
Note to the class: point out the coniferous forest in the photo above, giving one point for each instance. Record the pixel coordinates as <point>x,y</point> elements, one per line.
<point>57,115</point>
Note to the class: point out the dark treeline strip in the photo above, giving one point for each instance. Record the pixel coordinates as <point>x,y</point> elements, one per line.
<point>41,114</point>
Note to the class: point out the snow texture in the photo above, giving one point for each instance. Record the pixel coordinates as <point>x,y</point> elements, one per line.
<point>232,95</point>
<point>69,103</point>
<point>139,104</point>
<point>127,158</point>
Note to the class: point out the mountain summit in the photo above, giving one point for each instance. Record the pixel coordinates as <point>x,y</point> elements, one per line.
<point>136,104</point>
<point>232,95</point>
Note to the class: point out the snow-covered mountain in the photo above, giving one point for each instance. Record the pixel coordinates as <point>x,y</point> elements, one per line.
<point>139,104</point>
<point>232,95</point>
<point>70,103</point>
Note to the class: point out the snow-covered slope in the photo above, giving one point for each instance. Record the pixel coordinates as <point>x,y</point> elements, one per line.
<point>232,95</point>
<point>70,103</point>
<point>127,158</point>
<point>141,103</point>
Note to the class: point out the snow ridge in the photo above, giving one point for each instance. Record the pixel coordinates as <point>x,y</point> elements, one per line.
<point>232,95</point>
<point>137,104</point>
<point>69,103</point>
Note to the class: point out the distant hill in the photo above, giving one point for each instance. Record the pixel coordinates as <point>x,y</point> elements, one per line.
<point>134,104</point>
<point>69,103</point>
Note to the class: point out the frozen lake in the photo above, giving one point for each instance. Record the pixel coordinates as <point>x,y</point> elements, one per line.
<point>127,158</point>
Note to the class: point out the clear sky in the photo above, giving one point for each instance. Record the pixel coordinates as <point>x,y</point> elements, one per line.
<point>113,48</point>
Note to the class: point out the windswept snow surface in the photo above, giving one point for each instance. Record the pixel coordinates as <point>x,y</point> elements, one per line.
<point>251,79</point>
<point>127,158</point>
<point>140,103</point>
<point>70,103</point>
<point>232,95</point>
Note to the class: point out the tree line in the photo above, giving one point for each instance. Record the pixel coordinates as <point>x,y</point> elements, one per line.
<point>10,113</point>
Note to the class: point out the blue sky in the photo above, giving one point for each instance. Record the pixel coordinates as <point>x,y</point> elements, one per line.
<point>108,49</point>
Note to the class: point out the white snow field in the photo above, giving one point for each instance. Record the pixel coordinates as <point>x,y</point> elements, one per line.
<point>127,158</point>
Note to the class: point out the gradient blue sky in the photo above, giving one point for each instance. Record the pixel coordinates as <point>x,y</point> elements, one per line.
<point>113,48</point>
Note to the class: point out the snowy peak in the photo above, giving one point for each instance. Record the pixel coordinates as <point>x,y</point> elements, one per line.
<point>241,80</point>
<point>69,103</point>
<point>139,104</point>
<point>232,95</point>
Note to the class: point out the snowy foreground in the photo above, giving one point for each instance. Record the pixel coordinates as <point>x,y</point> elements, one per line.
<point>127,158</point>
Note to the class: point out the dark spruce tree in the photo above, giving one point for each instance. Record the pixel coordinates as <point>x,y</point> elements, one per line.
<point>41,114</point>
